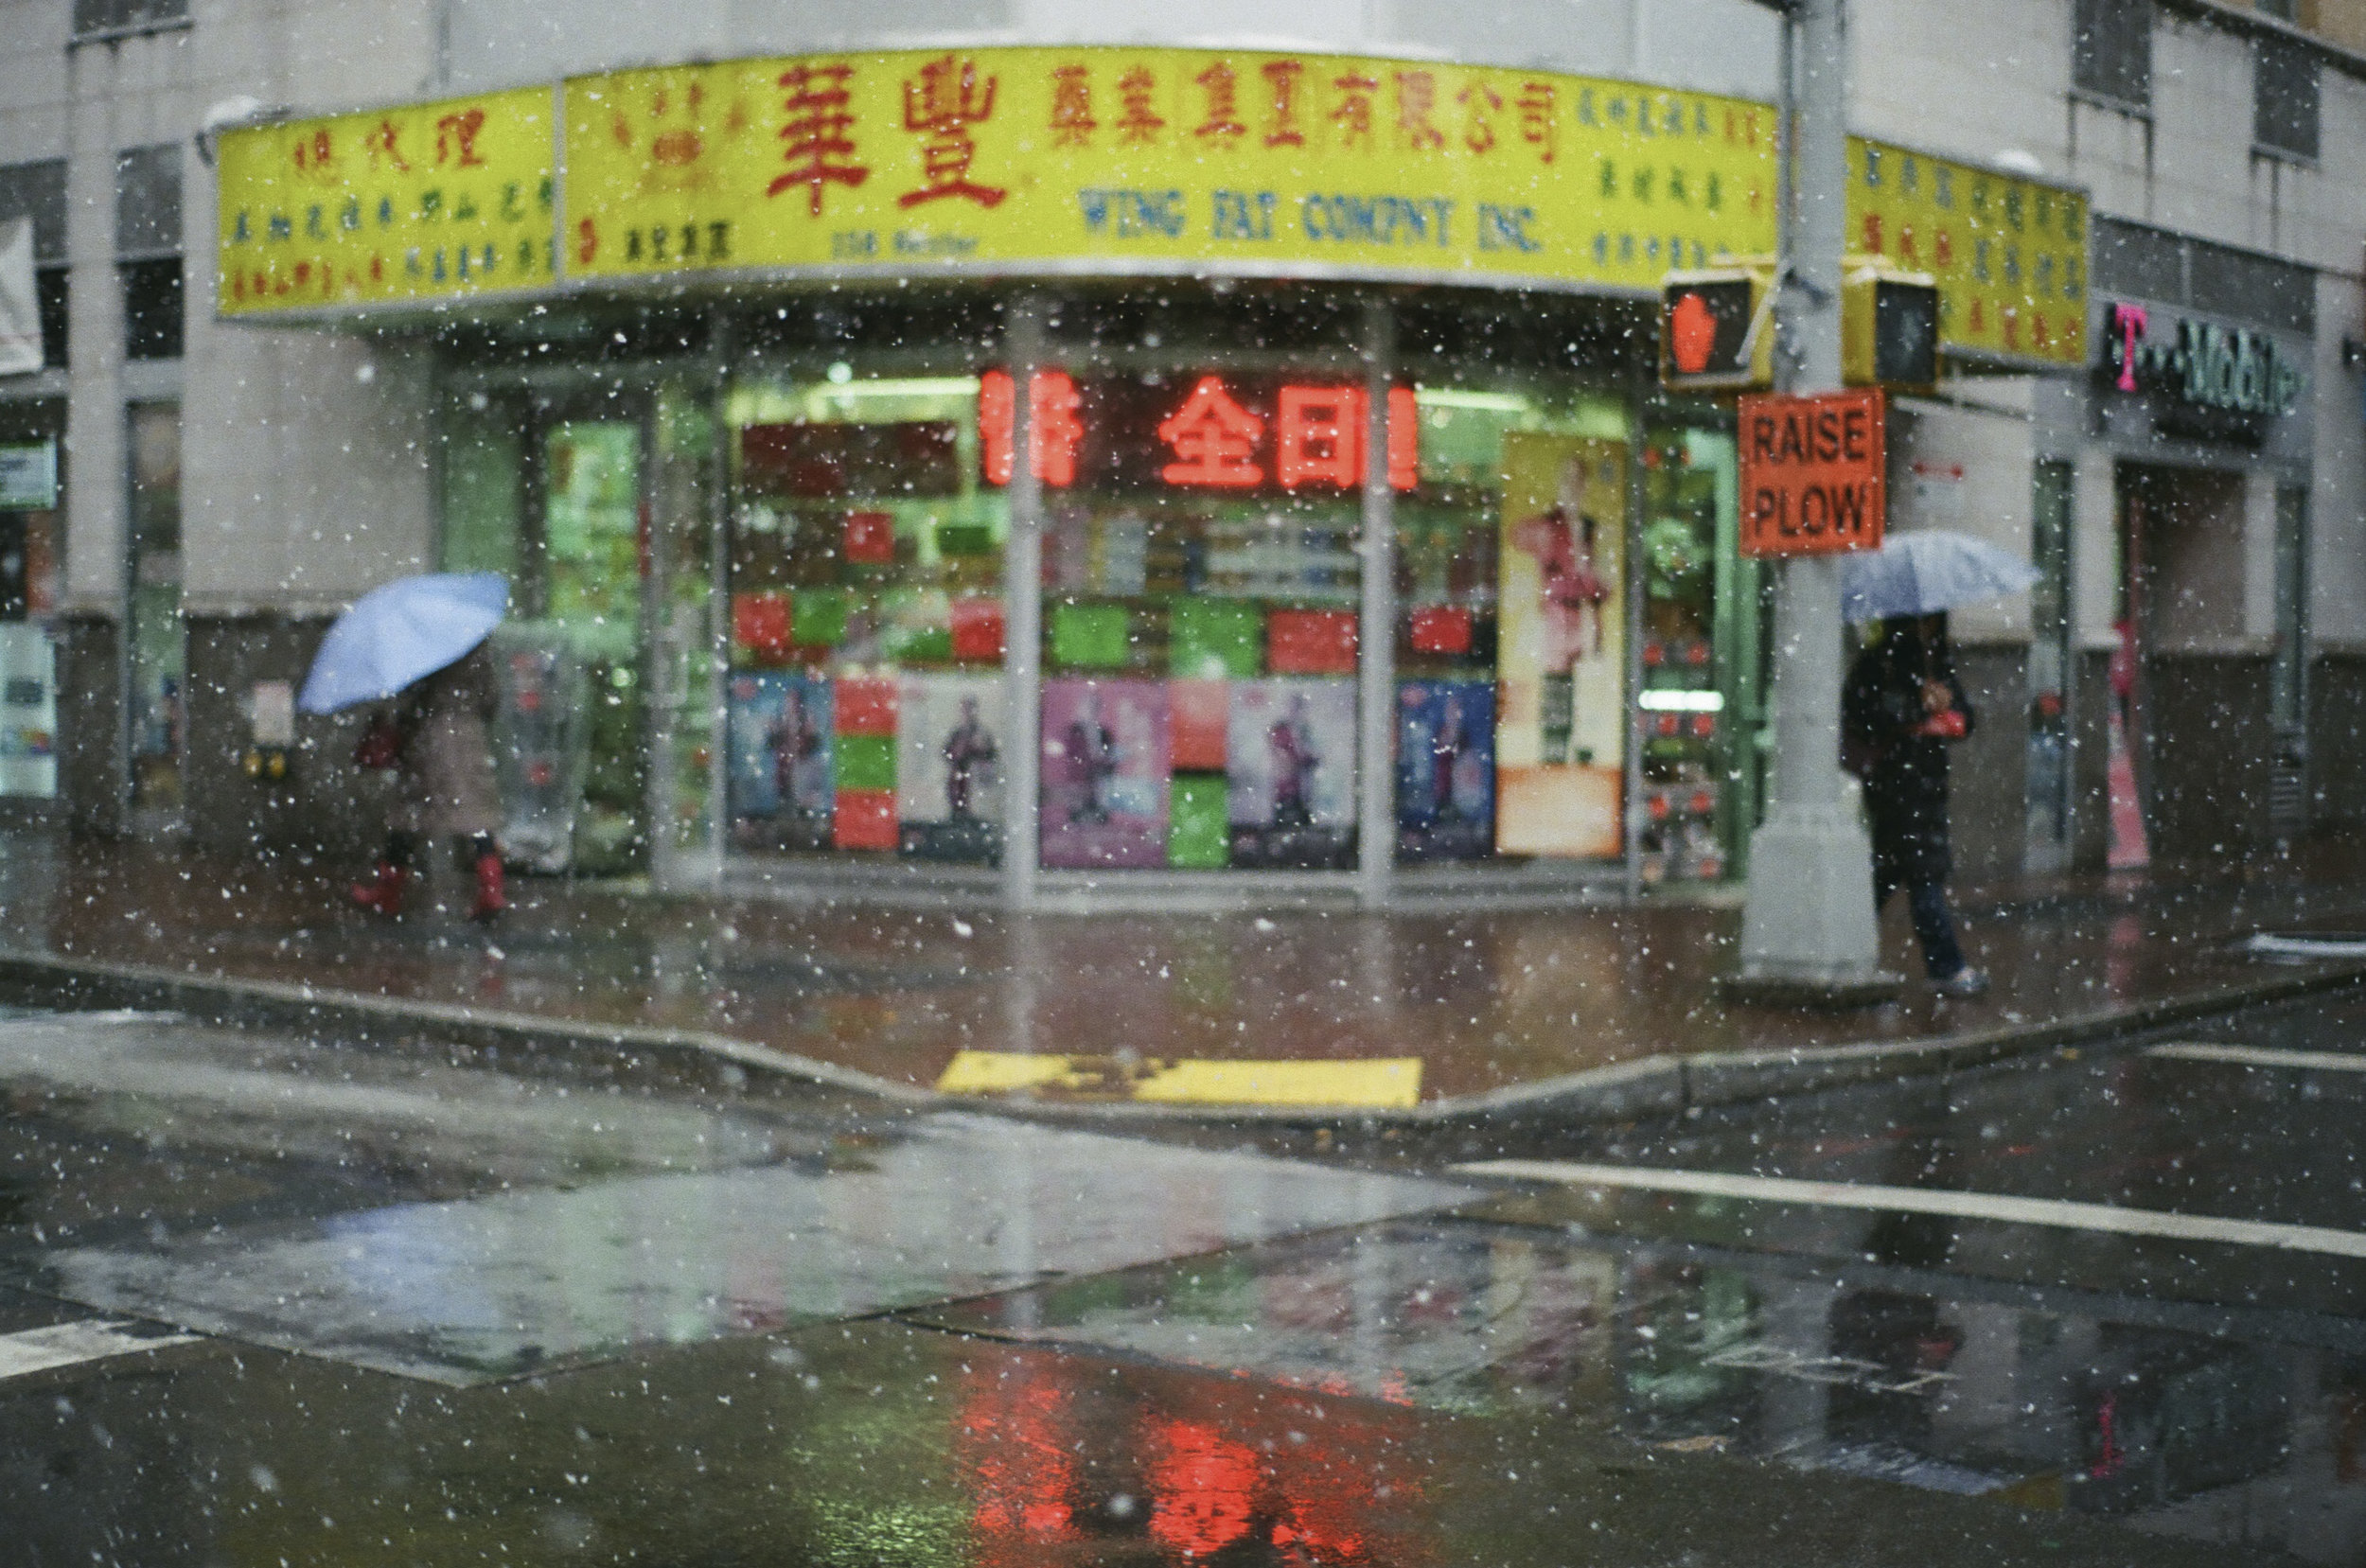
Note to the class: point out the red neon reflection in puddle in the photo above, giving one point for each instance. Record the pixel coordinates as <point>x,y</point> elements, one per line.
<point>1023,1472</point>
<point>1049,1459</point>
<point>1204,1488</point>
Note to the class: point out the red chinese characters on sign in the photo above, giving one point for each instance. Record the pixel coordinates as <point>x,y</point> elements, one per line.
<point>1223,123</point>
<point>1281,87</point>
<point>817,133</point>
<point>1540,124</point>
<point>382,143</point>
<point>1482,104</point>
<point>949,96</point>
<point>1055,433</point>
<point>1072,122</point>
<point>1214,440</point>
<point>1353,114</point>
<point>315,155</point>
<point>1417,98</point>
<point>1318,436</point>
<point>1138,120</point>
<point>1318,439</point>
<point>455,138</point>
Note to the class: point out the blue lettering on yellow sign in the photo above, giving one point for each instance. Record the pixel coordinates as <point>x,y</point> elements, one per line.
<point>1243,215</point>
<point>1131,214</point>
<point>1377,220</point>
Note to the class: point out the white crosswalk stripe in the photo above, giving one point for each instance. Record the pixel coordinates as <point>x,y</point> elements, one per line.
<point>2057,1213</point>
<point>2260,1056</point>
<point>46,1350</point>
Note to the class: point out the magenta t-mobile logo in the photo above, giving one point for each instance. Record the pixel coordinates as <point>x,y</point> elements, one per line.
<point>2127,329</point>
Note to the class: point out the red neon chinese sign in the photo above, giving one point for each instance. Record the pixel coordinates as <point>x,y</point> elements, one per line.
<point>1221,433</point>
<point>1214,440</point>
<point>1053,430</point>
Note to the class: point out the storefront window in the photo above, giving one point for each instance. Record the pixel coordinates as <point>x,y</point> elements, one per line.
<point>1510,725</point>
<point>1682,719</point>
<point>590,567</point>
<point>29,524</point>
<point>1201,581</point>
<point>683,681</point>
<point>865,697</point>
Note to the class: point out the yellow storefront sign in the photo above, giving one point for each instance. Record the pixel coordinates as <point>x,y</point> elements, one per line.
<point>435,201</point>
<point>1258,163</point>
<point>1101,160</point>
<point>2009,255</point>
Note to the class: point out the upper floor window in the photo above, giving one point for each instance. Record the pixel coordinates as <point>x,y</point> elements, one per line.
<point>2111,50</point>
<point>37,191</point>
<point>2284,97</point>
<point>116,18</point>
<point>147,251</point>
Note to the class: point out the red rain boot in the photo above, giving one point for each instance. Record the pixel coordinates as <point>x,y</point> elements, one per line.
<point>491,888</point>
<point>385,891</point>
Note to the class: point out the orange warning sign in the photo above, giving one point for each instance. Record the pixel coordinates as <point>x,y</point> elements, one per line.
<point>1812,473</point>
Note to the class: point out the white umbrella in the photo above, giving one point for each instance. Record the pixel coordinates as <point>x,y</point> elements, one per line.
<point>1927,572</point>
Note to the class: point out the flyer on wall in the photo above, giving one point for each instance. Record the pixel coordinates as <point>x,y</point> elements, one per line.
<point>1560,734</point>
<point>1105,774</point>
<point>1446,769</point>
<point>1290,773</point>
<point>948,767</point>
<point>781,792</point>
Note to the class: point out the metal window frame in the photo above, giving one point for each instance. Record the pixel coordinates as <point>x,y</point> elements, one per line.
<point>2128,36</point>
<point>2272,57</point>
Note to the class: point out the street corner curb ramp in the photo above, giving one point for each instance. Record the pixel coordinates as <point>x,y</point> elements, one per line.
<point>1365,1091</point>
<point>725,1061</point>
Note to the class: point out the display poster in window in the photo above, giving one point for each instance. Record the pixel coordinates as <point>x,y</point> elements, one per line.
<point>28,476</point>
<point>781,782</point>
<point>1290,773</point>
<point>1560,734</point>
<point>20,303</point>
<point>1446,769</point>
<point>1106,775</point>
<point>949,767</point>
<point>28,711</point>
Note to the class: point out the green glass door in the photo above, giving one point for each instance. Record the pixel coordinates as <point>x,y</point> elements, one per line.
<point>591,552</point>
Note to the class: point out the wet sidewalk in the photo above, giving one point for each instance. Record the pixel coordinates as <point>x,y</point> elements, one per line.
<point>1492,1007</point>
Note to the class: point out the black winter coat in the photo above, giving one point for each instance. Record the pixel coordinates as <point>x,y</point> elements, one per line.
<point>1904,773</point>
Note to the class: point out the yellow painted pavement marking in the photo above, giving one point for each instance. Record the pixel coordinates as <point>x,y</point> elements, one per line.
<point>1376,1084</point>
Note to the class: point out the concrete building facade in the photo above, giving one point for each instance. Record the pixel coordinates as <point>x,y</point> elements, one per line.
<point>2198,644</point>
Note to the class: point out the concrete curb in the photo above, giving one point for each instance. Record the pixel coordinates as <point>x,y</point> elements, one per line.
<point>1660,1084</point>
<point>1726,1078</point>
<point>222,999</point>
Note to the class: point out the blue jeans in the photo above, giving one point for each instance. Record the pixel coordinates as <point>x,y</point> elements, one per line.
<point>1942,954</point>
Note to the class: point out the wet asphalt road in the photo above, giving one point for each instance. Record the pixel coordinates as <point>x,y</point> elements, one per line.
<point>267,1300</point>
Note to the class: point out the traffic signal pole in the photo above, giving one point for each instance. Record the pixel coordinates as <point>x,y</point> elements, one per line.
<point>1808,929</point>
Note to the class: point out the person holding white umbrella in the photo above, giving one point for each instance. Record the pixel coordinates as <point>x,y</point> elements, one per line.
<point>1901,710</point>
<point>423,639</point>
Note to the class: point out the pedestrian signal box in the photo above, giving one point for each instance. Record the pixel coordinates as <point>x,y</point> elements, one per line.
<point>1717,329</point>
<point>1889,329</point>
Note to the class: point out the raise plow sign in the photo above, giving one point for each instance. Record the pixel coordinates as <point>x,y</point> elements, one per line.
<point>1813,475</point>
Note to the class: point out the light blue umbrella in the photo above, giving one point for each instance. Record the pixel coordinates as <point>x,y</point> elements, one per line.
<point>399,631</point>
<point>1926,572</point>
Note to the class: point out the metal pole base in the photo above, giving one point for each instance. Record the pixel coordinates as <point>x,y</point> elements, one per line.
<point>1808,931</point>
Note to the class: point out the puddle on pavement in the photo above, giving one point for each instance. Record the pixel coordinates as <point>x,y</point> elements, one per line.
<point>2042,1407</point>
<point>878,1443</point>
<point>493,1286</point>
